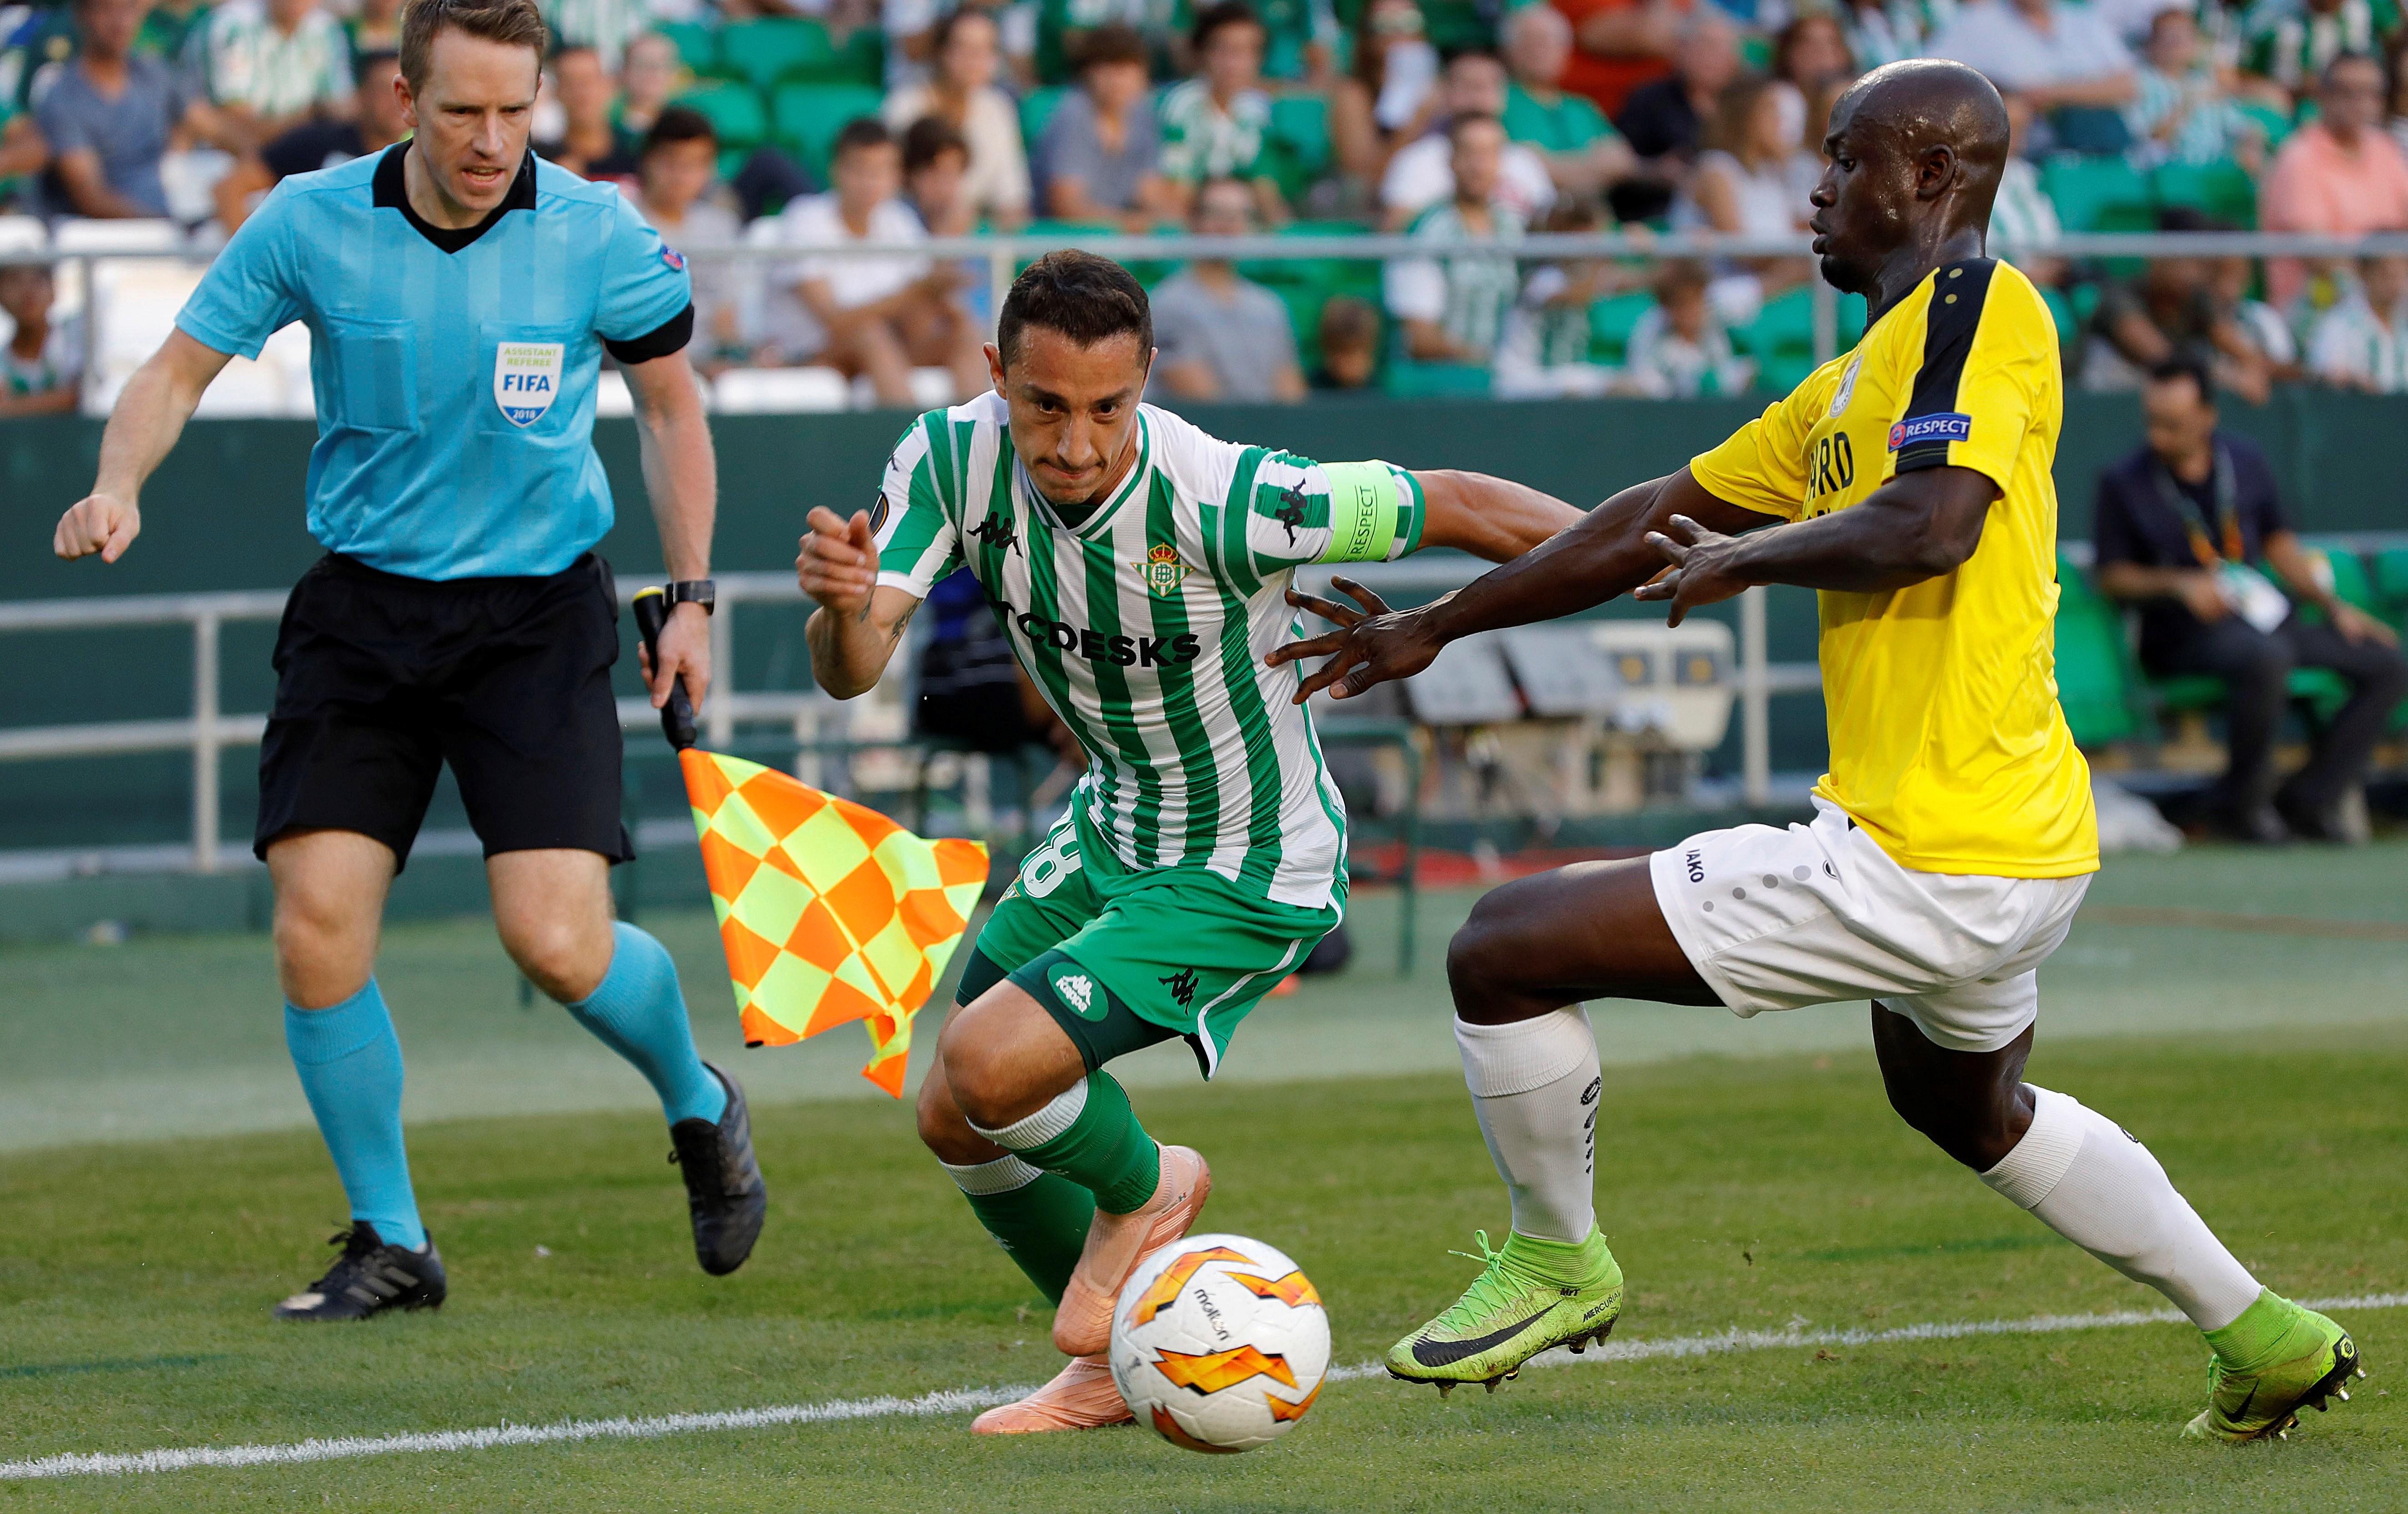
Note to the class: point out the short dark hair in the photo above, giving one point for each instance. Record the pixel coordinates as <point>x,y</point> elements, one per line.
<point>1470,118</point>
<point>1086,298</point>
<point>1214,17</point>
<point>2340,60</point>
<point>1345,320</point>
<point>859,133</point>
<point>1115,42</point>
<point>678,124</point>
<point>512,22</point>
<point>943,32</point>
<point>373,58</point>
<point>929,139</point>
<point>2166,370</point>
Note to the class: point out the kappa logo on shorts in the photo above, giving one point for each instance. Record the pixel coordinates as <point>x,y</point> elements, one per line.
<point>1181,985</point>
<point>526,379</point>
<point>1078,991</point>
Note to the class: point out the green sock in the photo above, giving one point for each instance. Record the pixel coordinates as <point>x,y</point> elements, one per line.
<point>1039,1219</point>
<point>1090,1135</point>
<point>1563,1261</point>
<point>2261,1336</point>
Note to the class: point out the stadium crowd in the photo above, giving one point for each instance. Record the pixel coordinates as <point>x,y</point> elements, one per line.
<point>802,124</point>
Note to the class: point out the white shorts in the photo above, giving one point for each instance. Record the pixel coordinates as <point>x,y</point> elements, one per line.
<point>1776,918</point>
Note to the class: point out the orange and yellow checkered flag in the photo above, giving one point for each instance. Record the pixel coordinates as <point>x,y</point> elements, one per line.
<point>829,911</point>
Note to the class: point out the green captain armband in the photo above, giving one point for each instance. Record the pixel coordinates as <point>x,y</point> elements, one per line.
<point>1371,506</point>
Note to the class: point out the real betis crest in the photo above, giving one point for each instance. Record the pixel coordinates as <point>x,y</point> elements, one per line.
<point>1161,570</point>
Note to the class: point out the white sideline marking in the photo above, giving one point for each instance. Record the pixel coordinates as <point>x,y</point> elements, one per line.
<point>961,1400</point>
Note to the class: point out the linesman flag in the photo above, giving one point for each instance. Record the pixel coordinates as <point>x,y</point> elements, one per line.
<point>829,912</point>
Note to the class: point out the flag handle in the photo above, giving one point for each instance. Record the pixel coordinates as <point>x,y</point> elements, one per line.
<point>677,716</point>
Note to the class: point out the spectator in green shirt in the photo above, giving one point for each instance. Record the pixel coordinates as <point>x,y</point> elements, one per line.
<point>1584,154</point>
<point>1213,124</point>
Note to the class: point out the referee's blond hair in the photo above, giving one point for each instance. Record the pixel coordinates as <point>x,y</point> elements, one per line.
<point>512,22</point>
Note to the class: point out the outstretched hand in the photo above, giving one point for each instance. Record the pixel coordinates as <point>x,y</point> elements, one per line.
<point>97,523</point>
<point>1370,646</point>
<point>1702,572</point>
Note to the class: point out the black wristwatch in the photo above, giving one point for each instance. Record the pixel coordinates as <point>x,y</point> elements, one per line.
<point>700,592</point>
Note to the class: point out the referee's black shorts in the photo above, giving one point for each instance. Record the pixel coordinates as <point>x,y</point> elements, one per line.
<point>381,680</point>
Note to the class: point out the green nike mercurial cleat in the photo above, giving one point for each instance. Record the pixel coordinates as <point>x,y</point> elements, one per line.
<point>1534,1294</point>
<point>2311,1362</point>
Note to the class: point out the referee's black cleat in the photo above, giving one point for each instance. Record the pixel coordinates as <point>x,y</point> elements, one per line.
<point>723,1190</point>
<point>370,1277</point>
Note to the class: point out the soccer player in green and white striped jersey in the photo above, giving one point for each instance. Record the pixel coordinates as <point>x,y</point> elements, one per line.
<point>1141,569</point>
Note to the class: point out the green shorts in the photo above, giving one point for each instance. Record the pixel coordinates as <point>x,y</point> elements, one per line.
<point>1124,959</point>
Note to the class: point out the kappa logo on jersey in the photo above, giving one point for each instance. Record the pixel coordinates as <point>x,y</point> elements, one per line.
<point>998,531</point>
<point>1078,991</point>
<point>526,379</point>
<point>1163,570</point>
<point>1291,510</point>
<point>1949,427</point>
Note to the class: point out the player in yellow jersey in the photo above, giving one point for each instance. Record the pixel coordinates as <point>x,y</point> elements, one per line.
<point>1953,838</point>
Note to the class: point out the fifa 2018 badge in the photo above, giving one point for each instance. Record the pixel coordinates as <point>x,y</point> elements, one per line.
<point>1847,390</point>
<point>1163,571</point>
<point>526,379</point>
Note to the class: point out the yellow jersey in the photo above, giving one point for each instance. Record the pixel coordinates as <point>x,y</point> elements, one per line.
<point>1947,743</point>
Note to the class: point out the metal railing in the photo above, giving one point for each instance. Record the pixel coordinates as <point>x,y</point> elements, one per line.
<point>209,729</point>
<point>1004,255</point>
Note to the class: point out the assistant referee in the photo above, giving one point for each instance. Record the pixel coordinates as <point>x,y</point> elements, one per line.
<point>459,295</point>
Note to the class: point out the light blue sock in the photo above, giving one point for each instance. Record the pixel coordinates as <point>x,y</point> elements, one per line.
<point>350,1065</point>
<point>638,1012</point>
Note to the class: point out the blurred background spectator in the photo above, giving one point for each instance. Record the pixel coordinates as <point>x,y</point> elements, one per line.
<point>1098,160</point>
<point>648,77</point>
<point>1389,98</point>
<point>2362,342</point>
<point>1620,45</point>
<point>1886,31</point>
<point>961,91</point>
<point>1753,180</point>
<point>677,193</point>
<point>2291,45</point>
<point>591,143</point>
<point>1665,120</point>
<point>1214,123</point>
<point>2340,173</point>
<point>1679,349</point>
<point>264,66</point>
<point>1221,336</point>
<point>1544,353</point>
<point>874,317</point>
<point>2064,59</point>
<point>1452,309</point>
<point>1349,338</point>
<point>375,123</point>
<point>1584,154</point>
<point>106,118</point>
<point>41,366</point>
<point>2180,529</point>
<point>2170,313</point>
<point>2023,218</point>
<point>1420,174</point>
<point>2180,110</point>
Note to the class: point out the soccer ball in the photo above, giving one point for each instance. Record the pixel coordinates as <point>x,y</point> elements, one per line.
<point>1220,1343</point>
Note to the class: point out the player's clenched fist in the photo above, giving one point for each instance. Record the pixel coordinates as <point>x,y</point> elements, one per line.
<point>838,562</point>
<point>100,524</point>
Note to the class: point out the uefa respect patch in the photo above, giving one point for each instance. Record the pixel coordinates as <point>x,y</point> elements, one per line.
<point>1950,427</point>
<point>674,258</point>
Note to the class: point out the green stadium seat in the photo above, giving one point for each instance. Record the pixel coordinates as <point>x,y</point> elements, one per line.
<point>1407,380</point>
<point>1784,327</point>
<point>863,58</point>
<point>776,47</point>
<point>808,117</point>
<point>1324,276</point>
<point>1299,142</point>
<point>2391,577</point>
<point>735,112</point>
<point>1036,109</point>
<point>1782,372</point>
<point>1611,321</point>
<point>2093,670</point>
<point>698,46</point>
<point>2060,309</point>
<point>2100,194</point>
<point>2223,190</point>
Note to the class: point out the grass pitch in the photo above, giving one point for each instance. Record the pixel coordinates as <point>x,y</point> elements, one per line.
<point>135,1281</point>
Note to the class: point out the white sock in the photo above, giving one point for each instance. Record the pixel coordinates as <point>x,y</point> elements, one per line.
<point>1003,1175</point>
<point>1535,1086</point>
<point>2093,1183</point>
<point>1060,1113</point>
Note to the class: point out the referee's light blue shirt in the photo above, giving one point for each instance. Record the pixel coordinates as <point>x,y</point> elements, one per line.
<point>455,370</point>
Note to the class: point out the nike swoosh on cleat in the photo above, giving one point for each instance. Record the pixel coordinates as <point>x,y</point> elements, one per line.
<point>1435,1353</point>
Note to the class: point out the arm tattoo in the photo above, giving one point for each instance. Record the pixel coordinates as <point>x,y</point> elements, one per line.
<point>902,623</point>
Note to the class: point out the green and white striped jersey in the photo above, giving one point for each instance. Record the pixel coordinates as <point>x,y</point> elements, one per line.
<point>1146,625</point>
